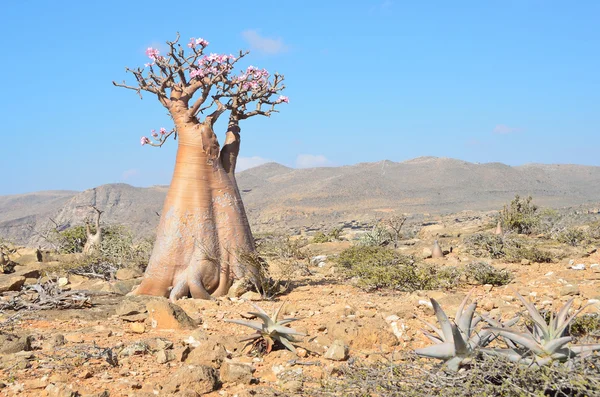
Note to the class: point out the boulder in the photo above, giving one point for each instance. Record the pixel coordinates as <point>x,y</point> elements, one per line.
<point>11,282</point>
<point>232,372</point>
<point>166,315</point>
<point>195,379</point>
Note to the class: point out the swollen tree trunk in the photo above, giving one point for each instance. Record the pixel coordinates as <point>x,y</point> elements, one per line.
<point>203,227</point>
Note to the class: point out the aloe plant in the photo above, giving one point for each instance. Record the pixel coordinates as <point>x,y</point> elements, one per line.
<point>456,342</point>
<point>544,342</point>
<point>271,329</point>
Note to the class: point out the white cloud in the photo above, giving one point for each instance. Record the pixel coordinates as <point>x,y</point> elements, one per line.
<point>263,44</point>
<point>243,163</point>
<point>128,174</point>
<point>311,160</point>
<point>504,129</point>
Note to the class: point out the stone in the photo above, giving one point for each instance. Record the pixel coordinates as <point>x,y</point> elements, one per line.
<point>251,296</point>
<point>127,273</point>
<point>181,353</point>
<point>525,262</point>
<point>54,341</point>
<point>488,287</point>
<point>123,287</point>
<point>232,372</point>
<point>60,391</point>
<point>209,353</point>
<point>135,349</point>
<point>165,356</point>
<point>11,283</point>
<point>166,315</point>
<point>62,281</point>
<point>13,344</point>
<point>35,384</point>
<point>569,290</point>
<point>579,266</point>
<point>315,260</point>
<point>137,328</point>
<point>132,305</point>
<point>427,253</point>
<point>338,351</point>
<point>198,379</point>
<point>75,337</point>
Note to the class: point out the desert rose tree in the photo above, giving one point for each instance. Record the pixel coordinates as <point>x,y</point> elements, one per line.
<point>203,227</point>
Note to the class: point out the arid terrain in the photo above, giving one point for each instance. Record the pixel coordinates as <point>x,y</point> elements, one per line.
<point>121,345</point>
<point>278,198</point>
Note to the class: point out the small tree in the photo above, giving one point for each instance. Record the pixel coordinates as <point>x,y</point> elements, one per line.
<point>395,223</point>
<point>203,229</point>
<point>521,216</point>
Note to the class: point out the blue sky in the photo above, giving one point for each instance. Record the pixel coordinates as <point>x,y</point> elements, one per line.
<point>510,81</point>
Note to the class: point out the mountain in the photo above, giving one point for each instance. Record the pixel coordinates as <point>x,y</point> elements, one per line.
<point>281,198</point>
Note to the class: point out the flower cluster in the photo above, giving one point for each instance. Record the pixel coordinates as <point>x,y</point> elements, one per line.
<point>283,98</point>
<point>213,64</point>
<point>197,42</point>
<point>153,54</point>
<point>253,78</point>
<point>158,136</point>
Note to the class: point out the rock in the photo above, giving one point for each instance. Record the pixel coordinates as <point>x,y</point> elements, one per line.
<point>488,287</point>
<point>166,315</point>
<point>427,253</point>
<point>181,353</point>
<point>54,341</point>
<point>595,267</point>
<point>315,260</point>
<point>60,390</point>
<point>251,296</point>
<point>525,262</point>
<point>11,283</point>
<point>209,353</point>
<point>62,281</point>
<point>338,351</point>
<point>362,333</point>
<point>301,352</point>
<point>13,344</point>
<point>135,349</point>
<point>127,273</point>
<point>132,305</point>
<point>75,337</point>
<point>569,290</point>
<point>198,379</point>
<point>137,328</point>
<point>232,372</point>
<point>579,266</point>
<point>430,231</point>
<point>294,386</point>
<point>123,287</point>
<point>35,384</point>
<point>238,288</point>
<point>165,356</point>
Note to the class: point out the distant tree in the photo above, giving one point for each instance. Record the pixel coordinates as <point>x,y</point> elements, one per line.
<point>395,223</point>
<point>203,226</point>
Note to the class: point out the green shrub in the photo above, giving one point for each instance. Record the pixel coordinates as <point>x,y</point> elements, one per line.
<point>321,237</point>
<point>72,240</point>
<point>379,267</point>
<point>593,231</point>
<point>585,325</point>
<point>516,249</point>
<point>520,216</point>
<point>484,273</point>
<point>572,236</point>
<point>377,237</point>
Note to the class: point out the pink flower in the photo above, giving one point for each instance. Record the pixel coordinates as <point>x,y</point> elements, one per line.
<point>192,43</point>
<point>144,140</point>
<point>283,99</point>
<point>152,53</point>
<point>201,42</point>
<point>163,131</point>
<point>196,73</point>
<point>154,134</point>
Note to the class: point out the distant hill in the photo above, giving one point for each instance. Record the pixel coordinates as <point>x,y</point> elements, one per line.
<point>278,197</point>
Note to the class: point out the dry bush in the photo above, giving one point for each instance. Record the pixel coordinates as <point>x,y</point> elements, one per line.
<point>489,376</point>
<point>507,247</point>
<point>378,236</point>
<point>484,273</point>
<point>276,261</point>
<point>379,267</point>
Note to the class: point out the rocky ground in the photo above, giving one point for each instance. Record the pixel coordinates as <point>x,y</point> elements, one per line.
<point>118,345</point>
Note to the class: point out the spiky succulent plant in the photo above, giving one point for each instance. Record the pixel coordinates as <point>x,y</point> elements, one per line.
<point>543,342</point>
<point>456,342</point>
<point>270,330</point>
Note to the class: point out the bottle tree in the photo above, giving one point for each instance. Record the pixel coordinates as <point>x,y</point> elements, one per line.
<point>203,229</point>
